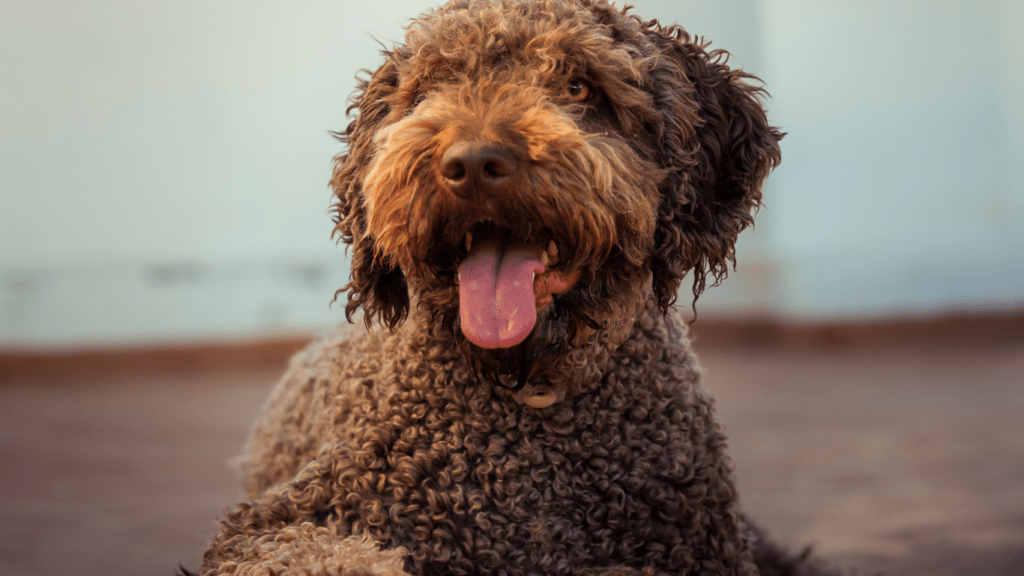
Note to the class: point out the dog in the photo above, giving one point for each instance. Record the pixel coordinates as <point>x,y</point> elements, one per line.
<point>525,186</point>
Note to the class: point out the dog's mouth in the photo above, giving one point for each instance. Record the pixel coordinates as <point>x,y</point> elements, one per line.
<point>504,281</point>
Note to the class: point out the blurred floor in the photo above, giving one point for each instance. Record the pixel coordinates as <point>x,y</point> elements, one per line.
<point>908,459</point>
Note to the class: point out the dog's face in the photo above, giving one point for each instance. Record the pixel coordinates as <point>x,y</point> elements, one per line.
<point>533,171</point>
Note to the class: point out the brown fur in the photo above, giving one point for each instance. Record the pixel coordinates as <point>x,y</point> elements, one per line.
<point>407,435</point>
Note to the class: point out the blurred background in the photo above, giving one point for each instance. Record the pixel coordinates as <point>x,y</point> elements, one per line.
<point>165,245</point>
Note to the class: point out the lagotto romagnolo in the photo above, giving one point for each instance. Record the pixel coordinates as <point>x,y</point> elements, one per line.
<point>526,184</point>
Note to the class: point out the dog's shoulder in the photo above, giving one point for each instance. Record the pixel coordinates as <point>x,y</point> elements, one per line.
<point>325,387</point>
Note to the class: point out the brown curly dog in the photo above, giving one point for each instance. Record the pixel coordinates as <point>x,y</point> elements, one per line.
<point>526,184</point>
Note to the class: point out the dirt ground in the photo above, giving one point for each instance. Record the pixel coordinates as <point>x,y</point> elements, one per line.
<point>908,460</point>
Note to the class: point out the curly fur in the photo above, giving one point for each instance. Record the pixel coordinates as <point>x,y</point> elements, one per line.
<point>404,446</point>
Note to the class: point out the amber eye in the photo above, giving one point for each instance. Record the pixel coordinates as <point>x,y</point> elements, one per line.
<point>577,91</point>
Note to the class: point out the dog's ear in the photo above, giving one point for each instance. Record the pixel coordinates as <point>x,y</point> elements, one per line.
<point>378,287</point>
<point>719,149</point>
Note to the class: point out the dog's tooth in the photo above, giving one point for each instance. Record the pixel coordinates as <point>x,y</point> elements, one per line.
<point>552,252</point>
<point>544,259</point>
<point>469,240</point>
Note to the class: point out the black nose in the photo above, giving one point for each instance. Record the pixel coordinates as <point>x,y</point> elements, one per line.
<point>476,167</point>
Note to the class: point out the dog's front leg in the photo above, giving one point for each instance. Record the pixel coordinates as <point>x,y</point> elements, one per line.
<point>311,550</point>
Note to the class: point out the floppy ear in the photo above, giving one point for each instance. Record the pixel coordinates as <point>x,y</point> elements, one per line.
<point>378,287</point>
<point>718,147</point>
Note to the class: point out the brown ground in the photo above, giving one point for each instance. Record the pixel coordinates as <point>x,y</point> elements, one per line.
<point>908,459</point>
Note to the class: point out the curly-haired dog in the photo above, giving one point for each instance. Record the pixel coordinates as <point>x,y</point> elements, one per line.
<point>525,186</point>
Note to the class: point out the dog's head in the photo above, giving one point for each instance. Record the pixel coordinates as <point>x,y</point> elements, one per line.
<point>532,172</point>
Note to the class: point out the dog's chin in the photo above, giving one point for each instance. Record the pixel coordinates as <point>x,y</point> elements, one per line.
<point>518,372</point>
<point>521,371</point>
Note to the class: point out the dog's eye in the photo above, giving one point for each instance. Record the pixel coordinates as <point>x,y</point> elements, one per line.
<point>577,91</point>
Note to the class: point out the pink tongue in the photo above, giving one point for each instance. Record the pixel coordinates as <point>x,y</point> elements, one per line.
<point>496,301</point>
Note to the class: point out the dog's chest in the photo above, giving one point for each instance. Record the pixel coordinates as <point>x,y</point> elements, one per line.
<point>579,487</point>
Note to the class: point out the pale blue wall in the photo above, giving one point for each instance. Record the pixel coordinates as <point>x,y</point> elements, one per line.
<point>163,166</point>
<point>901,186</point>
